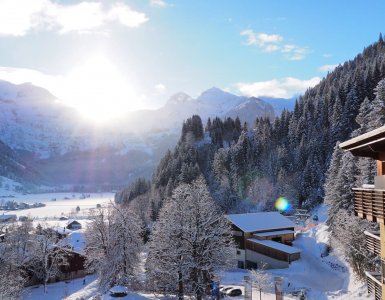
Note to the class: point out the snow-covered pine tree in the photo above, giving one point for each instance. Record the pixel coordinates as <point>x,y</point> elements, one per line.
<point>191,240</point>
<point>331,193</point>
<point>376,116</point>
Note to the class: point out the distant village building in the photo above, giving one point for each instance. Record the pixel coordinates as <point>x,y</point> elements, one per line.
<point>63,218</point>
<point>369,201</point>
<point>23,205</point>
<point>7,218</point>
<point>263,238</point>
<point>74,225</point>
<point>23,218</point>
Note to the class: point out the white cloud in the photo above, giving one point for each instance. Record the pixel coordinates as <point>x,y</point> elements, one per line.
<point>18,17</point>
<point>262,40</point>
<point>126,16</point>
<point>158,3</point>
<point>271,48</point>
<point>280,88</point>
<point>160,88</point>
<point>274,43</point>
<point>327,68</point>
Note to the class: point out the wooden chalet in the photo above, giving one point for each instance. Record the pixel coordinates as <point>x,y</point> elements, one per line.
<point>263,238</point>
<point>74,225</point>
<point>369,201</point>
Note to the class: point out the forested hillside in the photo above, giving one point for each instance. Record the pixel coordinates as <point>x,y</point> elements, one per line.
<point>248,166</point>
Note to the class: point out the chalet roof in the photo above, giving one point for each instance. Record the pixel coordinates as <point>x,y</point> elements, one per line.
<point>261,221</point>
<point>276,246</point>
<point>366,145</point>
<point>73,222</point>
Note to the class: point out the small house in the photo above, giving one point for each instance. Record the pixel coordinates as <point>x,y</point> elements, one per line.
<point>7,218</point>
<point>74,225</point>
<point>23,205</point>
<point>63,218</point>
<point>263,238</point>
<point>23,218</point>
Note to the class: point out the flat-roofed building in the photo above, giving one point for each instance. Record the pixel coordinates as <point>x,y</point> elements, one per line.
<point>263,238</point>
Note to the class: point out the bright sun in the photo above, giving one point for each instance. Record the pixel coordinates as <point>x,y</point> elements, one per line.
<point>98,90</point>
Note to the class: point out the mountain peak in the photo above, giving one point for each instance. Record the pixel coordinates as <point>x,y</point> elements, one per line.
<point>179,98</point>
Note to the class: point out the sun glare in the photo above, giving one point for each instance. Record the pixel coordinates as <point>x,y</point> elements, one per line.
<point>99,91</point>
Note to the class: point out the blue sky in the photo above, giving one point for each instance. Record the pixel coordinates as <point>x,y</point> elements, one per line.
<point>160,47</point>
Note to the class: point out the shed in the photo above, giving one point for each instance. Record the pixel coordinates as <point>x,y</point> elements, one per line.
<point>74,225</point>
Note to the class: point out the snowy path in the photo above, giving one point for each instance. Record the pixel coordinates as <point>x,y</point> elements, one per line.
<point>325,278</point>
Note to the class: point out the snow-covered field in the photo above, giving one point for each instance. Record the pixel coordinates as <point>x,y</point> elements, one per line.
<point>64,204</point>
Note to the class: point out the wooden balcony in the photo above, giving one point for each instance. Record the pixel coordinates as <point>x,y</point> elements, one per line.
<point>369,204</point>
<point>374,284</point>
<point>373,242</point>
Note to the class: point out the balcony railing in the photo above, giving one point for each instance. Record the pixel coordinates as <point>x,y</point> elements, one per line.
<point>374,284</point>
<point>369,204</point>
<point>373,242</point>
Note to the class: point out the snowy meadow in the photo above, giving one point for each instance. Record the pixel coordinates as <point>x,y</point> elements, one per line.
<point>58,204</point>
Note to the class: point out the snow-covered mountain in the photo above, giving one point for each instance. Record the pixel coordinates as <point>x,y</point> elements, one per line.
<point>279,104</point>
<point>12,166</point>
<point>66,149</point>
<point>249,110</point>
<point>211,103</point>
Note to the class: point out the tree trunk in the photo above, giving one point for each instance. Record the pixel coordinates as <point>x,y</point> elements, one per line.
<point>180,286</point>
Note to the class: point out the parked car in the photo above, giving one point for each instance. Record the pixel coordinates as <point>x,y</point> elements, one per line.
<point>224,289</point>
<point>117,291</point>
<point>234,292</point>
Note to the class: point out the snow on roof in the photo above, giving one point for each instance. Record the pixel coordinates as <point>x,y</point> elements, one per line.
<point>118,289</point>
<point>73,222</point>
<point>276,246</point>
<point>76,240</point>
<point>272,233</point>
<point>375,234</point>
<point>261,221</point>
<point>61,230</point>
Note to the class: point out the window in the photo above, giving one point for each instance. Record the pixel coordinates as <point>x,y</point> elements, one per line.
<point>241,264</point>
<point>238,252</point>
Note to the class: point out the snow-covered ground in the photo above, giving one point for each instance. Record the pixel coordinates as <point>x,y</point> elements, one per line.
<point>58,204</point>
<point>327,277</point>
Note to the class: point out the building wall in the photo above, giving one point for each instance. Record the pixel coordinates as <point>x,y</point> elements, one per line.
<point>261,259</point>
<point>240,257</point>
<point>285,238</point>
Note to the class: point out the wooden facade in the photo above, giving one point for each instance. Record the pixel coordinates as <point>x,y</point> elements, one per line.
<point>272,252</point>
<point>373,280</point>
<point>369,203</point>
<point>373,242</point>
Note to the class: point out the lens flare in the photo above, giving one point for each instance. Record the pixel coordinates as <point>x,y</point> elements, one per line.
<point>282,204</point>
